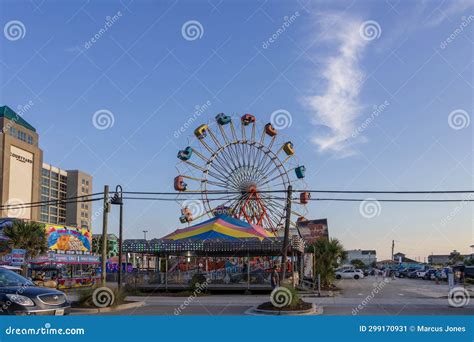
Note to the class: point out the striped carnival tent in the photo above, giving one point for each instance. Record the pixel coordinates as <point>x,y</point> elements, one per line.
<point>220,227</point>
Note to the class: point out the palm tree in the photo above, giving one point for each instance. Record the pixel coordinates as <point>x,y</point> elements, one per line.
<point>328,254</point>
<point>30,236</point>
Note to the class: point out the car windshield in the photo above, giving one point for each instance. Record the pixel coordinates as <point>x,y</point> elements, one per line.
<point>9,278</point>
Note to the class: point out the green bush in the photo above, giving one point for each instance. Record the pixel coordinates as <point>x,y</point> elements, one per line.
<point>197,282</point>
<point>85,296</point>
<point>295,296</point>
<point>282,293</point>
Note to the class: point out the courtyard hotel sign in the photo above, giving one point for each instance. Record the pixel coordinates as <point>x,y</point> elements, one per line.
<point>21,159</point>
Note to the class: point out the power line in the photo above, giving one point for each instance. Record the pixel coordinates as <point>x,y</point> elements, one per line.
<point>314,199</point>
<point>40,204</point>
<point>220,192</point>
<point>87,198</point>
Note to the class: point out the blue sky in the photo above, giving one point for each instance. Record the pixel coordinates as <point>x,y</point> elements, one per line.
<point>326,63</point>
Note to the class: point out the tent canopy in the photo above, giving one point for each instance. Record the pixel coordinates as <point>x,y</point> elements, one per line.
<point>220,227</point>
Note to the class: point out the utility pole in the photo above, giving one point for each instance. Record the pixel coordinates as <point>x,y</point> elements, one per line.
<point>393,248</point>
<point>118,200</point>
<point>287,231</point>
<point>104,234</point>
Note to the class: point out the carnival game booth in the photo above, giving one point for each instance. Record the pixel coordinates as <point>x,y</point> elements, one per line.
<point>69,261</point>
<point>229,252</point>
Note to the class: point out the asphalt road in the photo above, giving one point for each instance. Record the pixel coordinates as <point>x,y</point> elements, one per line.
<point>368,296</point>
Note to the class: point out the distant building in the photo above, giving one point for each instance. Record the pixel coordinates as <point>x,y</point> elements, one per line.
<point>20,160</point>
<point>112,244</point>
<point>60,184</point>
<point>24,178</point>
<point>368,257</point>
<point>443,259</point>
<point>438,259</point>
<point>401,258</point>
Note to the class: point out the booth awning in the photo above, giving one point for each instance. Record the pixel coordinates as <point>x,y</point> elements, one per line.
<point>221,227</point>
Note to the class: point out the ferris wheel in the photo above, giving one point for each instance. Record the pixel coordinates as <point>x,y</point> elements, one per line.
<point>242,170</point>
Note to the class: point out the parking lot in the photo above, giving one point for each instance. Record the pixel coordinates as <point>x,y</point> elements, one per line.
<point>367,296</point>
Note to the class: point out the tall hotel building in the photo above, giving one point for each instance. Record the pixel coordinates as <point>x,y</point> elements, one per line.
<point>25,178</point>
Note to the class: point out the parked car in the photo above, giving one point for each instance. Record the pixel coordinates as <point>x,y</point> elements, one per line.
<point>440,275</point>
<point>421,273</point>
<point>19,296</point>
<point>413,274</point>
<point>403,273</point>
<point>430,274</point>
<point>17,270</point>
<point>350,274</point>
<point>469,272</point>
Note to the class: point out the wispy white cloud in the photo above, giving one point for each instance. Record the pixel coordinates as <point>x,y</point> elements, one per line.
<point>337,106</point>
<point>447,10</point>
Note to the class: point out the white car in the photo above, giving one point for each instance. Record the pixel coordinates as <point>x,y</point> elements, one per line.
<point>421,273</point>
<point>350,274</point>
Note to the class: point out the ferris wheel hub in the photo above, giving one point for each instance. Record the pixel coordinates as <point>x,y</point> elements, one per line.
<point>248,188</point>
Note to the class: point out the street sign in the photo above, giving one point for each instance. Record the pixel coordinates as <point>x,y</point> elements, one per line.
<point>17,257</point>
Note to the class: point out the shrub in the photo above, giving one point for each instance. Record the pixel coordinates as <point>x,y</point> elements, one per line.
<point>197,282</point>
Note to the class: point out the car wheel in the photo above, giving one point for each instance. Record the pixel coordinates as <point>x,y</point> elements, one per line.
<point>338,276</point>
<point>356,277</point>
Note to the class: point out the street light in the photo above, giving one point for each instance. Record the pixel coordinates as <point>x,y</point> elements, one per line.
<point>144,233</point>
<point>118,200</point>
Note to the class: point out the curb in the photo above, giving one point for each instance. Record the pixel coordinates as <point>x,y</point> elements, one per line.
<point>78,311</point>
<point>314,311</point>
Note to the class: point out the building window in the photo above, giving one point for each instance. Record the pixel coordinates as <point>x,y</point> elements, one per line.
<point>30,139</point>
<point>45,172</point>
<point>44,218</point>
